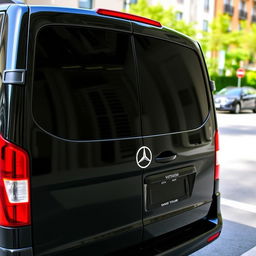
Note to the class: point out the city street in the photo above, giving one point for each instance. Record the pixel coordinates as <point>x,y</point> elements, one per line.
<point>237,185</point>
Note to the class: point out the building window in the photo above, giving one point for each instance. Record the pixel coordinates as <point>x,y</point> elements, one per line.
<point>206,5</point>
<point>179,15</point>
<point>254,10</point>
<point>229,2</point>
<point>228,7</point>
<point>205,25</point>
<point>86,4</point>
<point>242,10</point>
<point>254,14</point>
<point>242,5</point>
<point>127,4</point>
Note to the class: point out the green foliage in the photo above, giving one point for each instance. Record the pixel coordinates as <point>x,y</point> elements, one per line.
<point>234,57</point>
<point>239,46</point>
<point>251,78</point>
<point>224,81</point>
<point>167,17</point>
<point>220,38</point>
<point>219,33</point>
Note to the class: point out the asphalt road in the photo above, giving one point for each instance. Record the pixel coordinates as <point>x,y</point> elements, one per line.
<point>237,186</point>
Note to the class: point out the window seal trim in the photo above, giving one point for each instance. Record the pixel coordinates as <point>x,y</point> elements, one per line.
<point>123,138</point>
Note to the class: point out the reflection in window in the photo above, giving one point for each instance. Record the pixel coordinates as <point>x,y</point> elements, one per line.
<point>173,88</point>
<point>84,84</point>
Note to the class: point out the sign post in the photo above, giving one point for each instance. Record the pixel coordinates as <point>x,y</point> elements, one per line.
<point>240,73</point>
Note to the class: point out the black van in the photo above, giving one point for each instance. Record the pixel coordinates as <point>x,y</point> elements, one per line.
<point>108,139</point>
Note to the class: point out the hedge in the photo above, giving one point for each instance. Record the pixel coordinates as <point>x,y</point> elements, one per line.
<point>224,81</point>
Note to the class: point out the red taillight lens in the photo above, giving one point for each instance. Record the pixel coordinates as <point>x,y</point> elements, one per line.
<point>14,185</point>
<point>128,16</point>
<point>213,237</point>
<point>217,165</point>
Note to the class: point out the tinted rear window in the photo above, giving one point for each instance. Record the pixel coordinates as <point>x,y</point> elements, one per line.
<point>173,90</point>
<point>84,84</point>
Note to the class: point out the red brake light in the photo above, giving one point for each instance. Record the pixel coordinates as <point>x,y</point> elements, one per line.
<point>128,16</point>
<point>217,148</point>
<point>14,185</point>
<point>213,237</point>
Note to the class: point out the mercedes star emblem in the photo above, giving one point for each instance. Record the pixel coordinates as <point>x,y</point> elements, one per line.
<point>143,157</point>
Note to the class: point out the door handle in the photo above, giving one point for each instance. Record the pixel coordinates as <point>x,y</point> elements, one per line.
<point>165,157</point>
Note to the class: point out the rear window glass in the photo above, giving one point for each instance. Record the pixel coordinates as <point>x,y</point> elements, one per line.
<point>172,86</point>
<point>84,84</point>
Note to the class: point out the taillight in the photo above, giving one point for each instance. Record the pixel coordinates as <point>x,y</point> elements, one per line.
<point>213,237</point>
<point>128,16</point>
<point>14,185</point>
<point>217,148</point>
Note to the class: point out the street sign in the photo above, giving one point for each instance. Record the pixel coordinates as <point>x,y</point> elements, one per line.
<point>240,73</point>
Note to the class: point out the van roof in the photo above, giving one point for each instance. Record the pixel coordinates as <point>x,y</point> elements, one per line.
<point>169,33</point>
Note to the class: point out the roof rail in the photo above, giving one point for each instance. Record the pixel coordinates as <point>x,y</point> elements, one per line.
<point>11,2</point>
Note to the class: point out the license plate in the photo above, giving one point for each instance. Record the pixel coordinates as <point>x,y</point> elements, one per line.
<point>169,188</point>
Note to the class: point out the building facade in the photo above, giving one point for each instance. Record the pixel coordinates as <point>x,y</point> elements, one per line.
<point>238,10</point>
<point>200,12</point>
<point>87,4</point>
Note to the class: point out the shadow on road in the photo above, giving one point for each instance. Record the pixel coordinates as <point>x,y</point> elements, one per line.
<point>235,240</point>
<point>237,130</point>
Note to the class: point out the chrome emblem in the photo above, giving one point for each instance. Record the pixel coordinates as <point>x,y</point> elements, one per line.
<point>143,157</point>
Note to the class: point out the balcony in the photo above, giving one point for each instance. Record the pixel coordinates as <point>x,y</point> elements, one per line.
<point>254,18</point>
<point>228,9</point>
<point>242,15</point>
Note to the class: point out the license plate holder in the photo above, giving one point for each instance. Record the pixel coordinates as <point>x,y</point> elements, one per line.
<point>168,188</point>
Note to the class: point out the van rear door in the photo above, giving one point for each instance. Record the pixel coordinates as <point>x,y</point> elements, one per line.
<point>177,128</point>
<point>85,131</point>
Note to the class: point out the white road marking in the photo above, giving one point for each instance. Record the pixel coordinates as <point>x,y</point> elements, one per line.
<point>239,205</point>
<point>251,252</point>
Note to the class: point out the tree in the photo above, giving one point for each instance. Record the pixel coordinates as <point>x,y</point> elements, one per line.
<point>166,17</point>
<point>221,38</point>
<point>251,42</point>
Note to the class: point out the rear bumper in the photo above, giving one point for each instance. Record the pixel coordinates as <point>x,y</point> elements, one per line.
<point>185,240</point>
<point>182,241</point>
<point>15,241</point>
<point>16,252</point>
<point>196,243</point>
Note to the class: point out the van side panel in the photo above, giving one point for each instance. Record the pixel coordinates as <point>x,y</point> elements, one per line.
<point>13,241</point>
<point>13,57</point>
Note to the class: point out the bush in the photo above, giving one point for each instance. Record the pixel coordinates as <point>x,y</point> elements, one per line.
<point>224,81</point>
<point>251,78</point>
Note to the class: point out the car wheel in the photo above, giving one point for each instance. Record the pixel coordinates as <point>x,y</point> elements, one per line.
<point>237,108</point>
<point>254,109</point>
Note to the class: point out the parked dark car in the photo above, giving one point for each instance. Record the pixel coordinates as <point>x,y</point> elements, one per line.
<point>235,99</point>
<point>109,141</point>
